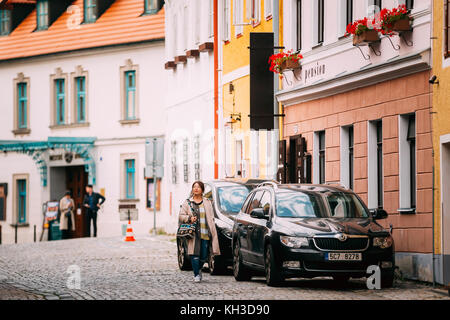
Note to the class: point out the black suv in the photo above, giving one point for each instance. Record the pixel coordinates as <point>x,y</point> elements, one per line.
<point>227,197</point>
<point>287,231</point>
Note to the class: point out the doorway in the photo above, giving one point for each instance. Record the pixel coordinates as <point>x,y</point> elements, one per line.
<point>76,181</point>
<point>445,208</point>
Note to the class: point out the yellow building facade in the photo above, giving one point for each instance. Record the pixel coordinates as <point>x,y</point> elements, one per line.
<point>440,82</point>
<point>247,153</point>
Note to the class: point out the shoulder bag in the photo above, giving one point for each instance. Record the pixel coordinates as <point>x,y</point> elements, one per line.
<point>187,230</point>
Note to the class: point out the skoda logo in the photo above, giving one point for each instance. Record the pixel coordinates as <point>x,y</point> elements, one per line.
<point>342,237</point>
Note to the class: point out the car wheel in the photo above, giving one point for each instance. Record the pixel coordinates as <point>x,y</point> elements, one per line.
<point>274,276</point>
<point>216,265</point>
<point>341,280</point>
<point>240,272</point>
<point>387,281</point>
<point>184,263</point>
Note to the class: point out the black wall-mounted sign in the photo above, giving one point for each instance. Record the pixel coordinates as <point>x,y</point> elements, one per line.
<point>261,81</point>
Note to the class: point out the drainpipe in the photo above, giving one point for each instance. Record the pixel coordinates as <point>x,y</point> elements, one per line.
<point>276,124</point>
<point>432,147</point>
<point>216,90</point>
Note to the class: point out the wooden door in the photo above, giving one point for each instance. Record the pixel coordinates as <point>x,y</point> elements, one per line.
<point>76,179</point>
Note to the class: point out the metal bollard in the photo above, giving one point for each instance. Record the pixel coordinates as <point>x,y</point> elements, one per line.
<point>15,233</point>
<point>0,234</point>
<point>34,233</point>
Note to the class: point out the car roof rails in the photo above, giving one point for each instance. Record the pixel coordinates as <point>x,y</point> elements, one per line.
<point>273,184</point>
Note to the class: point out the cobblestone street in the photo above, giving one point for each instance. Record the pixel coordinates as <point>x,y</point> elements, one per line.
<point>147,269</point>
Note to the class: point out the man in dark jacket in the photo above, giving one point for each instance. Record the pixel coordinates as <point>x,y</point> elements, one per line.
<point>92,201</point>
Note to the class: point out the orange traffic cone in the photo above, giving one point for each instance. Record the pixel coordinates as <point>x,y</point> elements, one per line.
<point>130,236</point>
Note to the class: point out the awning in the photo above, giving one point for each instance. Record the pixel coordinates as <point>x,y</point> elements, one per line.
<point>35,149</point>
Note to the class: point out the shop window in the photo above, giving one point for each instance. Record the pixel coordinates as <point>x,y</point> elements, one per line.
<point>20,196</point>
<point>319,157</point>
<point>151,192</point>
<point>3,194</point>
<point>347,161</point>
<point>407,167</point>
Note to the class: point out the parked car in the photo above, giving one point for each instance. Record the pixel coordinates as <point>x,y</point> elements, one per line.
<point>285,231</point>
<point>227,197</point>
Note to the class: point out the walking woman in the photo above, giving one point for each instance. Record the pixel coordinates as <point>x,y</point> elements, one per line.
<point>199,209</point>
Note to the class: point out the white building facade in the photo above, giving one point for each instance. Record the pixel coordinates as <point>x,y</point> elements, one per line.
<point>77,117</point>
<point>189,104</point>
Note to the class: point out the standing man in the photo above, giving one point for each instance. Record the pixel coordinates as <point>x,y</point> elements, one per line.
<point>92,201</point>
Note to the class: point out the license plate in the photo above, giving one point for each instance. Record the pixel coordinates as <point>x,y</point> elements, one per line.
<point>331,256</point>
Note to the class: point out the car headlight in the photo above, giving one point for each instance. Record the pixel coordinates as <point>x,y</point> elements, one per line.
<point>383,242</point>
<point>227,233</point>
<point>294,242</point>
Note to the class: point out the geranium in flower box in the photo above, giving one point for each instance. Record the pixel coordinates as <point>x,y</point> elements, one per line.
<point>284,61</point>
<point>395,20</point>
<point>362,32</point>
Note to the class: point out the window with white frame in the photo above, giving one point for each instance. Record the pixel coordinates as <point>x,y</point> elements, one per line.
<point>375,164</point>
<point>186,160</point>
<point>409,3</point>
<point>319,22</point>
<point>345,16</point>
<point>173,155</point>
<point>319,149</point>
<point>254,11</point>
<point>238,14</point>
<point>211,19</point>
<point>79,86</point>
<point>60,114</point>
<point>347,160</point>
<point>299,24</point>
<point>186,27</point>
<point>129,176</point>
<point>22,104</point>
<point>226,20</point>
<point>197,14</point>
<point>407,162</point>
<point>268,8</point>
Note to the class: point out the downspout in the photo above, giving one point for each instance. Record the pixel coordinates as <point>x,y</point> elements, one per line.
<point>216,90</point>
<point>276,124</point>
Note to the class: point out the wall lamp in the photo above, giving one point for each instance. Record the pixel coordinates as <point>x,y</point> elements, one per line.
<point>433,80</point>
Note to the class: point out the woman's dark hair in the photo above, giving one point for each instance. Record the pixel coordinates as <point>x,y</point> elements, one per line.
<point>68,193</point>
<point>201,184</point>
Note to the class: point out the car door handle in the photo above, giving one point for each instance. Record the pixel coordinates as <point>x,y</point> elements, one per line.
<point>250,227</point>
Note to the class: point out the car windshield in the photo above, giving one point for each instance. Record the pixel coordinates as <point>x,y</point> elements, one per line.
<point>231,198</point>
<point>297,204</point>
<point>345,205</point>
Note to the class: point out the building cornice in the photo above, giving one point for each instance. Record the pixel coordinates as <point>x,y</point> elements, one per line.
<point>366,76</point>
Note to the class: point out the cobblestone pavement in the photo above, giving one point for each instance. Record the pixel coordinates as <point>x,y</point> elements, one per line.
<point>147,269</point>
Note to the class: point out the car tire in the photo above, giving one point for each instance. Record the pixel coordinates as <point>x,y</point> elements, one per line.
<point>341,280</point>
<point>273,272</point>
<point>184,262</point>
<point>216,265</point>
<point>387,281</point>
<point>240,271</point>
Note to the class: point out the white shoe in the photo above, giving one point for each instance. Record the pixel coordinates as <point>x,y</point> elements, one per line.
<point>197,278</point>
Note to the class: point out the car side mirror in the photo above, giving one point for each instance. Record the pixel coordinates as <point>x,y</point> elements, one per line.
<point>378,214</point>
<point>258,213</point>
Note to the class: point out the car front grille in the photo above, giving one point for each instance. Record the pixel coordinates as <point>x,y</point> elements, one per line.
<point>335,266</point>
<point>333,244</point>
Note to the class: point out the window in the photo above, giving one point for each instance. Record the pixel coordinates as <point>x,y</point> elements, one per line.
<point>407,163</point>
<point>446,28</point>
<point>42,14</point>
<point>346,16</point>
<point>411,137</point>
<point>173,153</point>
<point>90,11</point>
<point>347,167</point>
<point>256,201</point>
<point>21,201</point>
<point>299,25</point>
<point>237,17</point>
<point>375,7</point>
<point>151,6</point>
<point>268,8</point>
<point>409,3</point>
<point>130,95</point>
<point>185,160</point>
<point>348,12</point>
<point>3,194</point>
<point>5,22</point>
<point>81,99</point>
<point>231,198</point>
<point>266,203</point>
<point>319,22</point>
<point>226,20</point>
<point>254,8</point>
<point>211,19</point>
<point>299,204</point>
<point>130,178</point>
<point>322,157</point>
<point>379,126</point>
<point>60,101</point>
<point>22,102</point>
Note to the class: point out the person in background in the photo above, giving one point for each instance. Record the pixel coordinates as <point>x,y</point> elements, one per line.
<point>199,209</point>
<point>92,201</point>
<point>67,219</point>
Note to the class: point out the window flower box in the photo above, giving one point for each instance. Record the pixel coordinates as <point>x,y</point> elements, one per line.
<point>395,20</point>
<point>366,37</point>
<point>363,32</point>
<point>284,61</point>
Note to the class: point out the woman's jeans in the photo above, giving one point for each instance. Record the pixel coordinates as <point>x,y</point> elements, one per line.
<point>198,261</point>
